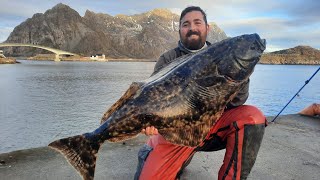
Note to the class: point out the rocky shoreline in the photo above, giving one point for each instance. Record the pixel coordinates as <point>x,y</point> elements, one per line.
<point>8,61</point>
<point>304,55</point>
<point>86,59</point>
<point>268,59</point>
<point>300,55</point>
<point>51,57</point>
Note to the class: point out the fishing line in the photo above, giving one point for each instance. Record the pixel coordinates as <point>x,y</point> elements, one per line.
<point>306,82</point>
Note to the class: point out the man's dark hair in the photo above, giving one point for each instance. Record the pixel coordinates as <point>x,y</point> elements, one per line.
<point>193,8</point>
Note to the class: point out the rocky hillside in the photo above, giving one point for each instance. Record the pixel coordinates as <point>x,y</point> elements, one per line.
<point>296,55</point>
<point>145,35</point>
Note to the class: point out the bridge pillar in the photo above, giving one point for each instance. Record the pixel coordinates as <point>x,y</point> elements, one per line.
<point>57,58</point>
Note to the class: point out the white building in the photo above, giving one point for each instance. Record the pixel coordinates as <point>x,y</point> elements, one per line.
<point>1,54</point>
<point>98,57</point>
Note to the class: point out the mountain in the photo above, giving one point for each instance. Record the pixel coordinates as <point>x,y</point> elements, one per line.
<point>296,55</point>
<point>145,35</point>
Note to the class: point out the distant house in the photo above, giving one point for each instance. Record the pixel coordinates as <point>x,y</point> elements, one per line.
<point>98,57</point>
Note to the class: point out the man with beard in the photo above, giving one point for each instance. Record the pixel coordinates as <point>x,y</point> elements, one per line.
<point>239,130</point>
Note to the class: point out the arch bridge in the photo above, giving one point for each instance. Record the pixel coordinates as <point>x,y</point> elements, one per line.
<point>58,52</point>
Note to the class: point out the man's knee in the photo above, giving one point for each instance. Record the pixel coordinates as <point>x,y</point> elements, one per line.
<point>243,142</point>
<point>251,115</point>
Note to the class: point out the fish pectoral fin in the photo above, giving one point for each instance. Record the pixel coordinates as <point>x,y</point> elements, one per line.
<point>134,87</point>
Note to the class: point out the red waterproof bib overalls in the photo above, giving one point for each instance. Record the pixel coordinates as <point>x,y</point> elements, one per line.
<point>239,130</point>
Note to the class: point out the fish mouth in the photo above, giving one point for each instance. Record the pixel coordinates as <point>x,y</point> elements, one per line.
<point>238,62</point>
<point>230,79</point>
<point>261,42</point>
<point>261,46</point>
<point>240,65</point>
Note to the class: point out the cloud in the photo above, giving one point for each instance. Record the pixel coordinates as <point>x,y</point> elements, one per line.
<point>295,38</point>
<point>21,8</point>
<point>308,10</point>
<point>279,32</point>
<point>4,32</point>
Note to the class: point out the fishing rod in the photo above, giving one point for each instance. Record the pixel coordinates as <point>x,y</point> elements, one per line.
<point>306,82</point>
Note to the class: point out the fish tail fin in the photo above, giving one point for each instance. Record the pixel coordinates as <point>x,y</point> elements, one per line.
<point>80,153</point>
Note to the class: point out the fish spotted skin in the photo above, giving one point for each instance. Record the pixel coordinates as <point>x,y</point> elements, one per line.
<point>183,100</point>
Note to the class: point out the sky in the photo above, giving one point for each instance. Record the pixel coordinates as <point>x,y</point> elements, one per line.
<point>283,23</point>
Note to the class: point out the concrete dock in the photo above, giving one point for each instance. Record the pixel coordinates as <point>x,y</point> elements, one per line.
<point>290,151</point>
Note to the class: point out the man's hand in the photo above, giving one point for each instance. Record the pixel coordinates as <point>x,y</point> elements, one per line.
<point>149,131</point>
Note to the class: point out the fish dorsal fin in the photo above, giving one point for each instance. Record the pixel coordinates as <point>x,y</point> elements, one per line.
<point>134,87</point>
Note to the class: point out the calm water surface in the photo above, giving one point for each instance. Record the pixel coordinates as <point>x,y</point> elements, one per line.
<point>43,101</point>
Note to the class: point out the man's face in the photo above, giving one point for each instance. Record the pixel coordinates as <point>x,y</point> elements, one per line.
<point>193,30</point>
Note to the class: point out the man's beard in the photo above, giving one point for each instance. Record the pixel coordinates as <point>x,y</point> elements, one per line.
<point>193,44</point>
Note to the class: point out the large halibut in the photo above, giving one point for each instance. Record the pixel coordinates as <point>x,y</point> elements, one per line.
<point>182,101</point>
